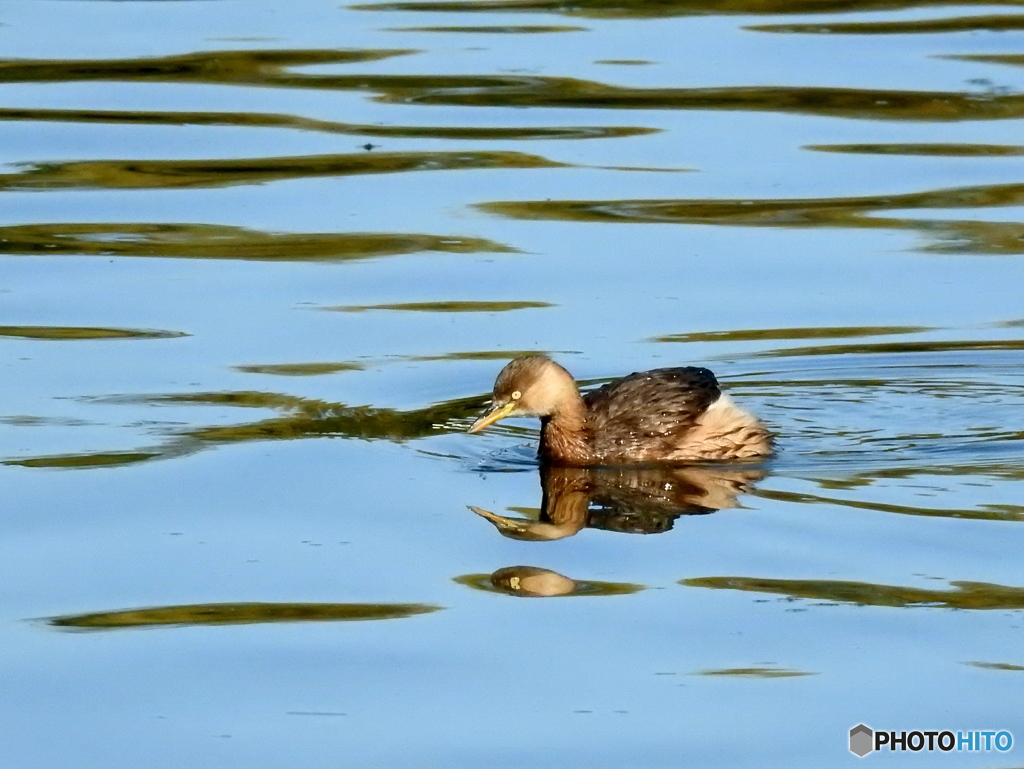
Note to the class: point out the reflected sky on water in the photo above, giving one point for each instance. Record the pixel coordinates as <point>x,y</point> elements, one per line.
<point>259,267</point>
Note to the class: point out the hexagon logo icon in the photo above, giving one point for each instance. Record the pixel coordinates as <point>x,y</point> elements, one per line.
<point>862,740</point>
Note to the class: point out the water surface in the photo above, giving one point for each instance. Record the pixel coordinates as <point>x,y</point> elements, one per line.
<point>258,271</point>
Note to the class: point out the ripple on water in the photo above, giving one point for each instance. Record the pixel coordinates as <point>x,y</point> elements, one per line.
<point>899,416</point>
<point>928,405</point>
<point>832,406</point>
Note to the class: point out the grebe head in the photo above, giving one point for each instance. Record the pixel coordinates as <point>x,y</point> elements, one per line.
<point>530,386</point>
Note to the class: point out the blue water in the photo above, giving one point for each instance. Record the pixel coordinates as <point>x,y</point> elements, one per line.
<point>880,340</point>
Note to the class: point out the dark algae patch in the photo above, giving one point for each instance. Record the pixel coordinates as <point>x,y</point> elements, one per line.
<point>240,614</point>
<point>183,174</point>
<point>275,69</point>
<point>897,348</point>
<point>85,461</point>
<point>948,236</point>
<point>213,241</point>
<point>1005,666</point>
<point>647,9</point>
<point>557,92</point>
<point>267,120</point>
<point>444,307</point>
<point>535,29</point>
<point>1013,59</point>
<point>763,334</point>
<point>754,672</point>
<point>67,333</point>
<point>299,369</point>
<point>302,418</point>
<point>487,355</point>
<point>254,67</point>
<point>990,23</point>
<point>983,513</point>
<point>925,150</point>
<point>312,418</point>
<point>320,368</point>
<point>965,595</point>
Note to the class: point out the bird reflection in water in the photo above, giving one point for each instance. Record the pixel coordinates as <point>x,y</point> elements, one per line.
<point>534,582</point>
<point>632,500</point>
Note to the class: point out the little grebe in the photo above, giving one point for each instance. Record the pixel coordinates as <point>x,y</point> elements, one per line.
<point>664,415</point>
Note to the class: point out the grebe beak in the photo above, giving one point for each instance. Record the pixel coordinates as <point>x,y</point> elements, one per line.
<point>492,416</point>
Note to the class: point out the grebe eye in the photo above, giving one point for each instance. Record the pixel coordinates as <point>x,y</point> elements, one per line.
<point>516,395</point>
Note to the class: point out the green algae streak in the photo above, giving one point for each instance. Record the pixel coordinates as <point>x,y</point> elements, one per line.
<point>990,23</point>
<point>193,174</point>
<point>966,595</point>
<point>277,69</point>
<point>924,150</point>
<point>84,461</point>
<point>648,9</point>
<point>299,369</point>
<point>535,29</point>
<point>754,672</point>
<point>66,333</point>
<point>996,666</point>
<point>240,614</point>
<point>213,241</point>
<point>949,236</point>
<point>295,122</point>
<point>761,334</point>
<point>454,306</point>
